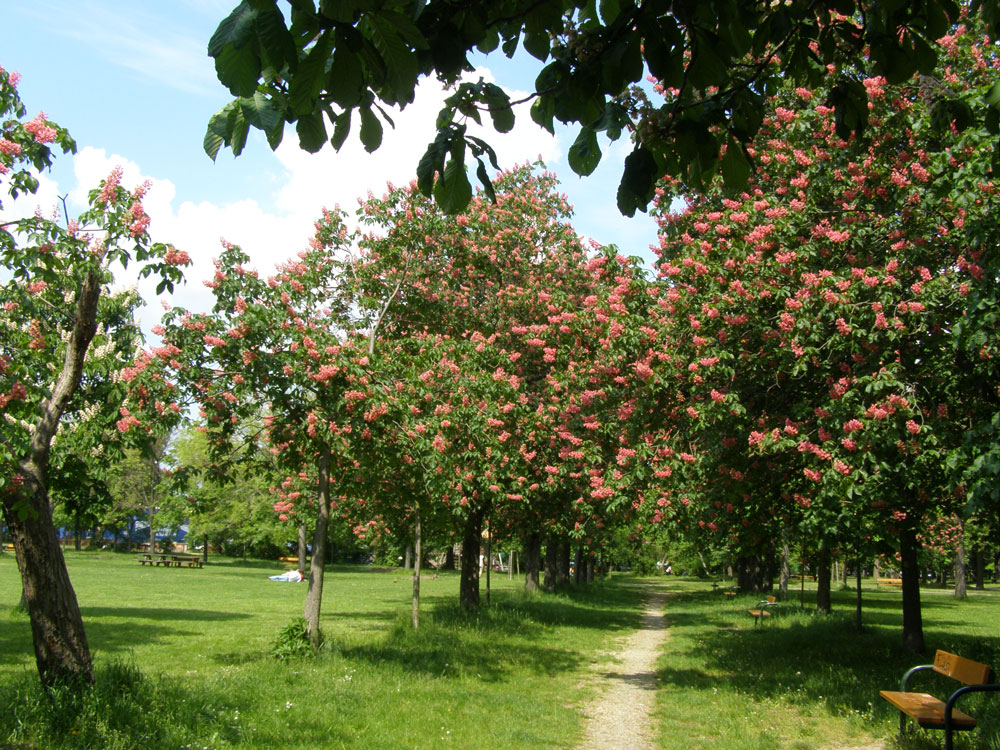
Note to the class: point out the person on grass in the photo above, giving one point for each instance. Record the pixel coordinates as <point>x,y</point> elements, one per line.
<point>292,576</point>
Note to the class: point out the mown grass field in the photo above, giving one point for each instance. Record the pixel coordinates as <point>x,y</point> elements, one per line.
<point>184,661</point>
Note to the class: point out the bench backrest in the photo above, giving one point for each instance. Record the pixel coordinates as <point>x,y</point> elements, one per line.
<point>962,669</point>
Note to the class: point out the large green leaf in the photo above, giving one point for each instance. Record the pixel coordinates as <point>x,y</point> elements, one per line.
<point>305,86</point>
<point>312,132</point>
<point>453,190</point>
<point>585,153</point>
<point>400,61</point>
<point>236,29</point>
<point>275,39</point>
<point>341,128</point>
<point>501,112</point>
<point>371,130</point>
<point>239,69</point>
<point>735,167</point>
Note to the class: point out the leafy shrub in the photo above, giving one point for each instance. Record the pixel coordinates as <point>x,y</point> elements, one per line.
<point>293,641</point>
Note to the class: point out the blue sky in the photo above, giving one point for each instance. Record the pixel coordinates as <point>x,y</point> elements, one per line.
<point>133,84</point>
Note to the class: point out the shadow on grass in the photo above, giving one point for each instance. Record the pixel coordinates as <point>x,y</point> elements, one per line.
<point>513,633</point>
<point>822,660</point>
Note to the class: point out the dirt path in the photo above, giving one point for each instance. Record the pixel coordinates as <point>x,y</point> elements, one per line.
<point>620,718</point>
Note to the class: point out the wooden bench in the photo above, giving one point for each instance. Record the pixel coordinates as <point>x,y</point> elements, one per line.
<point>931,713</point>
<point>889,581</point>
<point>288,559</point>
<point>761,610</point>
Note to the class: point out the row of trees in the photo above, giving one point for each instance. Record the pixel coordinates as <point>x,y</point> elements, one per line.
<point>807,366</point>
<point>801,367</point>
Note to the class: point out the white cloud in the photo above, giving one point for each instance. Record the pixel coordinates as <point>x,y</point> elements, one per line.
<point>309,182</point>
<point>339,178</point>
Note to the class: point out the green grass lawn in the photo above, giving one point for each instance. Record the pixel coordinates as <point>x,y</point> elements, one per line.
<point>184,661</point>
<point>803,680</point>
<point>508,677</point>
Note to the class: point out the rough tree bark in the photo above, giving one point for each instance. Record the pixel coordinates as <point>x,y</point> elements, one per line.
<point>61,649</point>
<point>302,546</point>
<point>562,563</point>
<point>419,551</point>
<point>314,596</point>
<point>960,582</point>
<point>913,628</point>
<point>786,568</point>
<point>823,581</point>
<point>551,564</point>
<point>468,592</point>
<point>532,552</point>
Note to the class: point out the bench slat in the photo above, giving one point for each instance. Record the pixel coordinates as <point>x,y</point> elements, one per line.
<point>961,669</point>
<point>926,709</point>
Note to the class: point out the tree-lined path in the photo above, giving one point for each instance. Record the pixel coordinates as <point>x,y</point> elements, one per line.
<point>622,714</point>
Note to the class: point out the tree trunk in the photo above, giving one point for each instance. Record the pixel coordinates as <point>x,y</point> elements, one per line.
<point>314,596</point>
<point>590,567</point>
<point>857,580</point>
<point>407,557</point>
<point>489,558</point>
<point>913,629</point>
<point>449,558</point>
<point>786,569</point>
<point>960,583</point>
<point>551,564</point>
<point>419,550</point>
<point>577,566</point>
<point>204,552</point>
<point>61,650</point>
<point>980,559</point>
<point>532,551</point>
<point>468,593</point>
<point>152,530</point>
<point>823,582</point>
<point>562,563</point>
<point>303,546</point>
<point>750,574</point>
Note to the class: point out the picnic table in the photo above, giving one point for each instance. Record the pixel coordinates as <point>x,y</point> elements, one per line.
<point>170,561</point>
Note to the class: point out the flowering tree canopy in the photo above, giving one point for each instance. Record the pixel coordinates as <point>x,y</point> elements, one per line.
<point>814,375</point>
<point>63,326</point>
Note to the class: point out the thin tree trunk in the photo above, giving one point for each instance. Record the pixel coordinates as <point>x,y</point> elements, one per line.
<point>419,550</point>
<point>303,546</point>
<point>204,552</point>
<point>532,553</point>
<point>551,564</point>
<point>857,580</point>
<point>314,596</point>
<point>960,583</point>
<point>786,569</point>
<point>152,530</point>
<point>407,557</point>
<point>578,566</point>
<point>489,559</point>
<point>823,582</point>
<point>913,629</point>
<point>468,593</point>
<point>980,559</point>
<point>563,550</point>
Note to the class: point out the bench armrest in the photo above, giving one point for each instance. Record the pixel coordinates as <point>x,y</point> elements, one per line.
<point>989,687</point>
<point>911,672</point>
